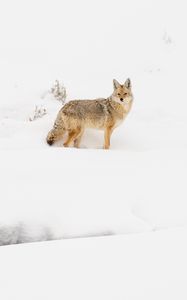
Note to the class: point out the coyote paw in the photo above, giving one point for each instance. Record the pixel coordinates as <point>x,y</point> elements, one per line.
<point>66,145</point>
<point>106,147</point>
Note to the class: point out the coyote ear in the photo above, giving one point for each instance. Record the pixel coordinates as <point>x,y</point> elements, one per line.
<point>127,83</point>
<point>116,84</point>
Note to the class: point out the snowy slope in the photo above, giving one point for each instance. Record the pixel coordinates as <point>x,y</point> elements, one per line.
<point>84,192</point>
<point>137,267</point>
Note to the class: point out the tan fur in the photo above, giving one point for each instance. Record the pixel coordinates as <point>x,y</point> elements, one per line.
<point>104,114</point>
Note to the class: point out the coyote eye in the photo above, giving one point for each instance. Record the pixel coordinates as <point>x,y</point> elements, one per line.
<point>125,94</point>
<point>118,94</point>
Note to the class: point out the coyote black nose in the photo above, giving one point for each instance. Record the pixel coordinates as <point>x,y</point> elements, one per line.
<point>121,99</point>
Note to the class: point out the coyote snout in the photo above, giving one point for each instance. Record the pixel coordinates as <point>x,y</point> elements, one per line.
<point>105,114</point>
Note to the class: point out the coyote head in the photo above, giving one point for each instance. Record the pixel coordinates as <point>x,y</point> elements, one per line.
<point>122,92</point>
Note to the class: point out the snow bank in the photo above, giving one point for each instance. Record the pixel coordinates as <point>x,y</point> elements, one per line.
<point>90,192</point>
<point>136,267</point>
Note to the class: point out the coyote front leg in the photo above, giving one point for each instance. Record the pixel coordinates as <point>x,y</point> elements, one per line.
<point>107,135</point>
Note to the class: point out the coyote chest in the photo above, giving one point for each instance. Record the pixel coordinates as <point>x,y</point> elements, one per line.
<point>119,122</point>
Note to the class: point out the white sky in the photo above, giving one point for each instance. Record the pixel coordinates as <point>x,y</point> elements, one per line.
<point>77,28</point>
<point>80,39</point>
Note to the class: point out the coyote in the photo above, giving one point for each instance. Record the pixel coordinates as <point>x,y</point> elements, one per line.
<point>105,114</point>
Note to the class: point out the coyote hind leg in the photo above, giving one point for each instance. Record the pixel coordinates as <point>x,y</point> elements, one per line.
<point>73,134</point>
<point>77,141</point>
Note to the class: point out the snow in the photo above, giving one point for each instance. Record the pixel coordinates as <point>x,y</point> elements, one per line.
<point>129,203</point>
<point>141,266</point>
<point>93,191</point>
